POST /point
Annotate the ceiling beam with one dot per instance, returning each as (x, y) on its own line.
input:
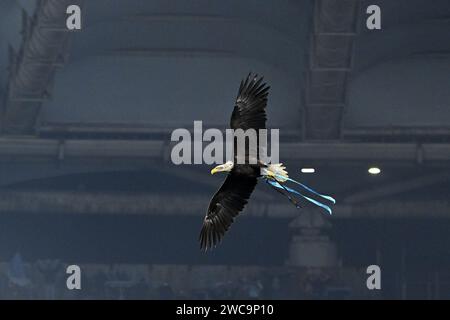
(331, 51)
(35, 149)
(435, 132)
(43, 49)
(398, 187)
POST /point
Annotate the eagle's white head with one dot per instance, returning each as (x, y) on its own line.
(226, 167)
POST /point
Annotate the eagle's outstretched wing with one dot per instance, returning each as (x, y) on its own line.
(225, 205)
(250, 108)
(248, 113)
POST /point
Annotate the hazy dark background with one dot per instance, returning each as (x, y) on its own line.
(85, 170)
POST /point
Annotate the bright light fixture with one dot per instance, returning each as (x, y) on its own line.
(308, 170)
(374, 170)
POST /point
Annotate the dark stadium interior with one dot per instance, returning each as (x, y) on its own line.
(86, 176)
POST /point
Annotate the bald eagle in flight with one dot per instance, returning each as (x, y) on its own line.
(249, 113)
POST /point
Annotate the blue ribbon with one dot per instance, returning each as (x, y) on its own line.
(317, 203)
(308, 188)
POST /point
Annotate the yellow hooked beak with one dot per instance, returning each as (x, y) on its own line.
(216, 169)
